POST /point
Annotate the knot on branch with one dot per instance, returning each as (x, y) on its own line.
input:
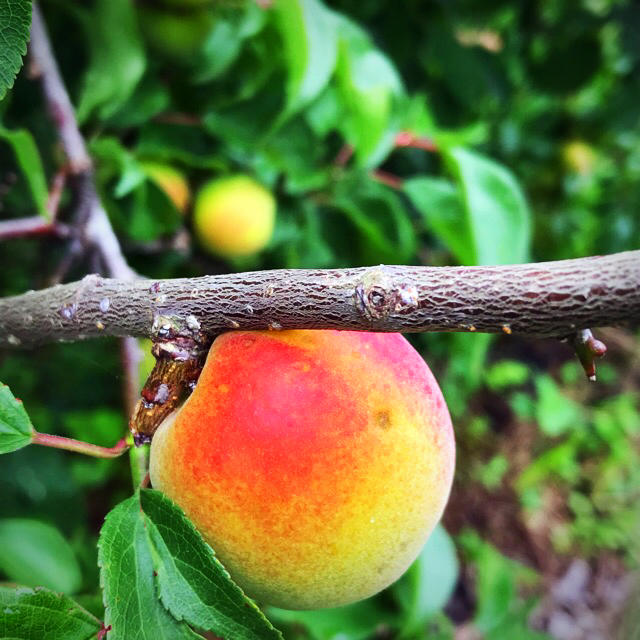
(180, 348)
(378, 296)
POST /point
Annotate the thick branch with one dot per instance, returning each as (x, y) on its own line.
(544, 299)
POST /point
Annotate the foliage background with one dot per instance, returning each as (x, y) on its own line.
(533, 116)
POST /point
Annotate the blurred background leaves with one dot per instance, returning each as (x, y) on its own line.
(423, 133)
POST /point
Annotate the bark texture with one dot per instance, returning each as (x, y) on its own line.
(541, 299)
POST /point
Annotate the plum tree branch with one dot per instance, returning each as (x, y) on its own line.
(97, 228)
(541, 299)
(91, 217)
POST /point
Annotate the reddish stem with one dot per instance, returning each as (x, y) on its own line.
(35, 225)
(55, 193)
(408, 139)
(344, 155)
(88, 449)
(179, 118)
(387, 178)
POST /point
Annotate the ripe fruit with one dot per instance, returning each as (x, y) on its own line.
(171, 181)
(234, 216)
(315, 463)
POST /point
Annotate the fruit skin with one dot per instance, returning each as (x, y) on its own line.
(171, 181)
(234, 216)
(315, 463)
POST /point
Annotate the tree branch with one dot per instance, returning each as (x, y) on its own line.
(543, 300)
(97, 229)
(32, 226)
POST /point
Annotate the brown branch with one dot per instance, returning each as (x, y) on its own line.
(541, 299)
(32, 226)
(384, 177)
(90, 214)
(97, 229)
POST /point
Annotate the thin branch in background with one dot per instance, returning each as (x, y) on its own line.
(33, 226)
(389, 179)
(97, 229)
(408, 139)
(55, 192)
(38, 225)
(344, 155)
(91, 217)
(179, 118)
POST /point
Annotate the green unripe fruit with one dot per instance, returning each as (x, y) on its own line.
(234, 216)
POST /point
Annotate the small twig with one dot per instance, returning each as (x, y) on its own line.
(45, 67)
(588, 348)
(178, 118)
(55, 192)
(78, 446)
(344, 155)
(387, 178)
(408, 139)
(33, 226)
(91, 217)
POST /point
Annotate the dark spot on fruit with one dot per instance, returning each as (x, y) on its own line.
(383, 419)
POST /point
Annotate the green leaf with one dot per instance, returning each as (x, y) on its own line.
(354, 622)
(556, 413)
(35, 554)
(506, 373)
(40, 614)
(497, 214)
(310, 48)
(497, 582)
(428, 584)
(117, 58)
(192, 583)
(16, 430)
(368, 83)
(15, 20)
(30, 163)
(179, 143)
(381, 218)
(224, 42)
(132, 607)
(438, 200)
(148, 547)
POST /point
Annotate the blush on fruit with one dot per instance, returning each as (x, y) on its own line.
(315, 463)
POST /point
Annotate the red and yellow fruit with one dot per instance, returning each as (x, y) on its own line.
(234, 216)
(315, 463)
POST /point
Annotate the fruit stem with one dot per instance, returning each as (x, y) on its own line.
(88, 449)
(139, 463)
